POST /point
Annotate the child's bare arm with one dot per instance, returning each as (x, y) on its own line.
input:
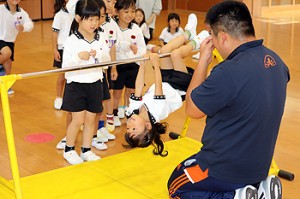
(140, 80)
(158, 80)
(54, 43)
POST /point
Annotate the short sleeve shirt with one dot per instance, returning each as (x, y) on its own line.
(243, 99)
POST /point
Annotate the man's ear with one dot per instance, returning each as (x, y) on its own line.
(148, 126)
(77, 18)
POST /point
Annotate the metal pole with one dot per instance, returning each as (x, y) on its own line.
(75, 68)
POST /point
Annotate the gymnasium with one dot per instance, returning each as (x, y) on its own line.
(31, 166)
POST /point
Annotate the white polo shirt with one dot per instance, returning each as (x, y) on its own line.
(132, 34)
(76, 44)
(8, 22)
(167, 36)
(160, 108)
(61, 23)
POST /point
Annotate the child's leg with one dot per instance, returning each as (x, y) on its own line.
(88, 130)
(179, 54)
(127, 93)
(166, 63)
(7, 66)
(117, 94)
(190, 33)
(60, 84)
(5, 54)
(72, 130)
(108, 104)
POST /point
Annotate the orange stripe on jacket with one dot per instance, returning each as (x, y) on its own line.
(195, 173)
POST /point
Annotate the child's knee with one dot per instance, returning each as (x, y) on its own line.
(175, 54)
(6, 52)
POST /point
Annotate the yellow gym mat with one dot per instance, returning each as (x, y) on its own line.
(137, 174)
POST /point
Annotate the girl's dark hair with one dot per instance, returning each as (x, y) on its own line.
(152, 137)
(59, 4)
(144, 20)
(85, 9)
(101, 4)
(124, 4)
(171, 16)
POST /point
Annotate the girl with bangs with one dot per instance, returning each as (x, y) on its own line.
(82, 97)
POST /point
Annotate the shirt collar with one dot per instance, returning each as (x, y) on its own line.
(80, 36)
(244, 47)
(64, 9)
(151, 117)
(129, 25)
(18, 7)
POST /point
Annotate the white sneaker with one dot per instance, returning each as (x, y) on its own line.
(196, 56)
(72, 157)
(200, 38)
(117, 121)
(98, 144)
(110, 127)
(101, 137)
(270, 188)
(191, 25)
(62, 143)
(89, 156)
(121, 112)
(150, 46)
(247, 192)
(108, 135)
(58, 103)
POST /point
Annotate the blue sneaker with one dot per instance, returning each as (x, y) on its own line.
(2, 71)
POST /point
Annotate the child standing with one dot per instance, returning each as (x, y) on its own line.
(165, 96)
(141, 22)
(101, 134)
(152, 9)
(110, 28)
(13, 20)
(61, 28)
(83, 89)
(130, 44)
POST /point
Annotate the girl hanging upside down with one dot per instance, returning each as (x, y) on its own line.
(166, 95)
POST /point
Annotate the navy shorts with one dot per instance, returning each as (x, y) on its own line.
(83, 96)
(11, 45)
(127, 74)
(57, 64)
(188, 180)
(177, 79)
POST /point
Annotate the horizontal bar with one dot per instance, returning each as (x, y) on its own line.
(89, 66)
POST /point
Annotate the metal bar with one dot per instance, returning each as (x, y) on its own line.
(75, 68)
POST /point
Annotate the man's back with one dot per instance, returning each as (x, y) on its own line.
(243, 99)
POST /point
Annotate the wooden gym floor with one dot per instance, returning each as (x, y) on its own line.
(32, 104)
